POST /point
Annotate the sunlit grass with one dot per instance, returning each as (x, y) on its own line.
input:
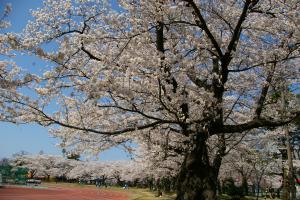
(135, 193)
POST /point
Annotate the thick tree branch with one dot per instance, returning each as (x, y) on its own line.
(265, 63)
(220, 152)
(257, 123)
(237, 31)
(202, 24)
(233, 42)
(90, 55)
(50, 120)
(160, 38)
(264, 92)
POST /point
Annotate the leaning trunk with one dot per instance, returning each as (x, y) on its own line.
(198, 179)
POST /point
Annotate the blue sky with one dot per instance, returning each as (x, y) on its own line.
(30, 137)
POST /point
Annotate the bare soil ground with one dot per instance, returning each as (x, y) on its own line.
(59, 193)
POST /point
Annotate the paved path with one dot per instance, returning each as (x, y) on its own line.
(23, 193)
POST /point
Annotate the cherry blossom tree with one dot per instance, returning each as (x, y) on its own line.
(260, 160)
(57, 166)
(191, 72)
(8, 70)
(252, 166)
(44, 165)
(10, 76)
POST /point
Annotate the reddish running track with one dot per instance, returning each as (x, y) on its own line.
(20, 193)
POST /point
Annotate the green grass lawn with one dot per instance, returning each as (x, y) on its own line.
(136, 193)
(144, 194)
(133, 193)
(141, 194)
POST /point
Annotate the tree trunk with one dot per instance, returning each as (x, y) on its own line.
(166, 182)
(245, 185)
(257, 191)
(158, 186)
(198, 179)
(150, 183)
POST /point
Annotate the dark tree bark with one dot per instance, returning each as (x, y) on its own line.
(198, 178)
(166, 182)
(158, 186)
(245, 185)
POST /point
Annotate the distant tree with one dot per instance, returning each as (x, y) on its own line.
(5, 169)
(4, 161)
(20, 153)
